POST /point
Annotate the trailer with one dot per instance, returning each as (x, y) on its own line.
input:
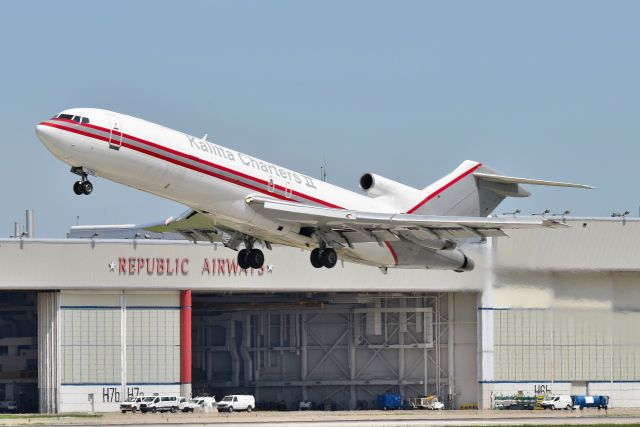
(600, 402)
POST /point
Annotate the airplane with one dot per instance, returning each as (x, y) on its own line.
(243, 201)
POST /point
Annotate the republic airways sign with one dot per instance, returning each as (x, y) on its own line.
(136, 266)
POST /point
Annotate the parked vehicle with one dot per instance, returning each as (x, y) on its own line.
(182, 402)
(162, 404)
(600, 402)
(426, 402)
(8, 406)
(305, 405)
(389, 401)
(237, 402)
(557, 401)
(132, 404)
(198, 403)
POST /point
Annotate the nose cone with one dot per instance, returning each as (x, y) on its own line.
(51, 139)
(43, 132)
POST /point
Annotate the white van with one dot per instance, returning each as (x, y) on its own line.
(162, 404)
(199, 404)
(557, 401)
(237, 402)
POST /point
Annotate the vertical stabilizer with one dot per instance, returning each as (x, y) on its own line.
(462, 193)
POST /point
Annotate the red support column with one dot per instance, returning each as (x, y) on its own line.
(185, 343)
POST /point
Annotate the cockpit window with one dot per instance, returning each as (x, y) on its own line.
(77, 119)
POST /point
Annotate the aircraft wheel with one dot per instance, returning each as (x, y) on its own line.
(316, 258)
(256, 258)
(77, 188)
(243, 259)
(87, 187)
(329, 258)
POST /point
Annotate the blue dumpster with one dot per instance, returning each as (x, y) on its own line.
(389, 401)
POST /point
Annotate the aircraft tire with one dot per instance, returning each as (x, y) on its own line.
(256, 258)
(316, 258)
(77, 188)
(243, 259)
(329, 257)
(87, 187)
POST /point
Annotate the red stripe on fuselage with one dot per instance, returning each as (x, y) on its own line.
(193, 158)
(441, 189)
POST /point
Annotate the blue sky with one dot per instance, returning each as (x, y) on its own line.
(407, 90)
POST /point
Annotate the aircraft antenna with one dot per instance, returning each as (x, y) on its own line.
(323, 169)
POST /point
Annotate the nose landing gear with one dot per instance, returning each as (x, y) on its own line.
(84, 186)
(323, 258)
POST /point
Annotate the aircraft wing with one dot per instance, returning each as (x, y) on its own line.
(193, 225)
(356, 226)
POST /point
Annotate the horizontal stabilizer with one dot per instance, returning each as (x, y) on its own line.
(514, 180)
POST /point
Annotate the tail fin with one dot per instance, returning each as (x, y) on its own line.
(473, 189)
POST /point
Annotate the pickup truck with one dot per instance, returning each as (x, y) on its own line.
(132, 404)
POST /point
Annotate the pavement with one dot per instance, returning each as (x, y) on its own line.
(346, 418)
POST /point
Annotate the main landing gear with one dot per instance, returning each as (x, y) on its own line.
(324, 258)
(84, 186)
(250, 258)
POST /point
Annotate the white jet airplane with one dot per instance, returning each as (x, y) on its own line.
(239, 199)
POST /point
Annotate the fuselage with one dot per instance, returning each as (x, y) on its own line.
(209, 178)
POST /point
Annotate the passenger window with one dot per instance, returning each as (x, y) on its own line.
(84, 120)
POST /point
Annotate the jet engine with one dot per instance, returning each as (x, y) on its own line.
(467, 265)
(395, 194)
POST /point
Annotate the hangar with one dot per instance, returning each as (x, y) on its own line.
(87, 322)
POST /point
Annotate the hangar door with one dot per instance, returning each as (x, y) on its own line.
(338, 350)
